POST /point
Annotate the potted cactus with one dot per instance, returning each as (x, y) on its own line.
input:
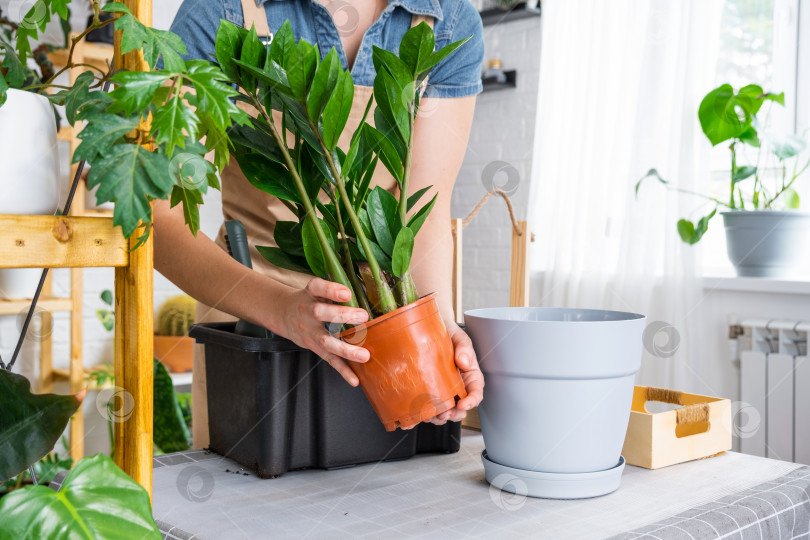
(173, 347)
(346, 231)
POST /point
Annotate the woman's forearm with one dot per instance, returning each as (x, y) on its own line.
(206, 272)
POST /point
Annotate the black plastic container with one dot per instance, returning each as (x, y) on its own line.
(275, 407)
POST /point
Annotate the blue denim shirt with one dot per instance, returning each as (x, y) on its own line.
(456, 76)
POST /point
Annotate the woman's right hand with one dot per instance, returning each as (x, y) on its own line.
(307, 309)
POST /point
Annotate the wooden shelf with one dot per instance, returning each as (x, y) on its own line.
(61, 242)
(95, 54)
(517, 12)
(491, 84)
(98, 212)
(48, 303)
(64, 134)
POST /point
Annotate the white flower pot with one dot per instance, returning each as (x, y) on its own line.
(766, 243)
(559, 385)
(29, 182)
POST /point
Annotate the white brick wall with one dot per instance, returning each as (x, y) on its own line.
(503, 129)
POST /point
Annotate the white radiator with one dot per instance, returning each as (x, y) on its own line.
(775, 386)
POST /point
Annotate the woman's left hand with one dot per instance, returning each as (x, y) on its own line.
(470, 373)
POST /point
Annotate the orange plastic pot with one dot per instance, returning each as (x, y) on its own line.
(411, 375)
(175, 352)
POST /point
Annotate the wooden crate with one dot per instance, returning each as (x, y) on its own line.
(700, 428)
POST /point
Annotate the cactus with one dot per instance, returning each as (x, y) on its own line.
(175, 316)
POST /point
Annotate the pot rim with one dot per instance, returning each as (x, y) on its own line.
(480, 313)
(739, 212)
(386, 316)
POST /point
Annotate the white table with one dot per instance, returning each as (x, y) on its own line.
(440, 496)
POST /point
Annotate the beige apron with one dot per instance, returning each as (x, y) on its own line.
(259, 212)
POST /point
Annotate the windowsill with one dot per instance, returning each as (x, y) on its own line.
(797, 285)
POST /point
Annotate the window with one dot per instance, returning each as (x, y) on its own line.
(765, 42)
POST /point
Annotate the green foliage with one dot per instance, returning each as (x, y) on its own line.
(730, 116)
(290, 150)
(96, 500)
(45, 470)
(176, 316)
(170, 431)
(30, 424)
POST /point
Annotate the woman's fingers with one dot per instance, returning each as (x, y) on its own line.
(333, 313)
(333, 345)
(327, 289)
(470, 372)
(341, 367)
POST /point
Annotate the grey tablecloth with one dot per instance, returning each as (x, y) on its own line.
(204, 496)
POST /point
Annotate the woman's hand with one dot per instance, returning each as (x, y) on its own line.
(470, 373)
(307, 309)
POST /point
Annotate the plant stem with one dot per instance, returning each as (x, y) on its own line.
(96, 25)
(406, 289)
(387, 301)
(359, 292)
(406, 173)
(336, 272)
(733, 172)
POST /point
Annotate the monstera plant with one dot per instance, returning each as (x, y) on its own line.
(345, 230)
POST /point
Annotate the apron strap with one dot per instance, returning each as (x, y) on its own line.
(255, 15)
(415, 20)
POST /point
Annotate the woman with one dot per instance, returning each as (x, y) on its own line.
(294, 305)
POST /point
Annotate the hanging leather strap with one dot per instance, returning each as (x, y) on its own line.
(255, 15)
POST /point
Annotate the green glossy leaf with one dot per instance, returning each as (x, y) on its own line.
(271, 75)
(742, 173)
(283, 44)
(691, 233)
(97, 500)
(300, 67)
(326, 76)
(80, 102)
(3, 90)
(652, 173)
(313, 249)
(191, 199)
(106, 318)
(311, 170)
(686, 230)
(30, 423)
(172, 123)
(212, 96)
(391, 133)
(384, 150)
(278, 258)
(152, 42)
(440, 55)
(228, 45)
(337, 109)
(791, 199)
(413, 199)
(418, 219)
(287, 235)
(253, 54)
(136, 90)
(385, 60)
(107, 297)
(403, 249)
(253, 137)
(725, 115)
(100, 134)
(417, 47)
(392, 102)
(268, 176)
(131, 176)
(15, 72)
(383, 215)
(170, 432)
(786, 146)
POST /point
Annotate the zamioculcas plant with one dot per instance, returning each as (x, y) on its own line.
(362, 238)
(345, 231)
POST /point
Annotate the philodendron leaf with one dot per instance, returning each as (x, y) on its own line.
(403, 249)
(131, 176)
(691, 233)
(30, 424)
(337, 109)
(652, 173)
(278, 258)
(791, 199)
(383, 214)
(96, 500)
(743, 172)
(727, 115)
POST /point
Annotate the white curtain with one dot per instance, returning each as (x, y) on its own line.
(620, 85)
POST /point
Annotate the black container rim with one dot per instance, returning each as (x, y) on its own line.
(223, 333)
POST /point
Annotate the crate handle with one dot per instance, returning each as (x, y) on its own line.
(687, 414)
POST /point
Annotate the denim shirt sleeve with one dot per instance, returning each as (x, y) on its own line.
(196, 23)
(459, 74)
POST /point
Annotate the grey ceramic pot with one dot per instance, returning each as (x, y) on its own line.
(766, 243)
(559, 385)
